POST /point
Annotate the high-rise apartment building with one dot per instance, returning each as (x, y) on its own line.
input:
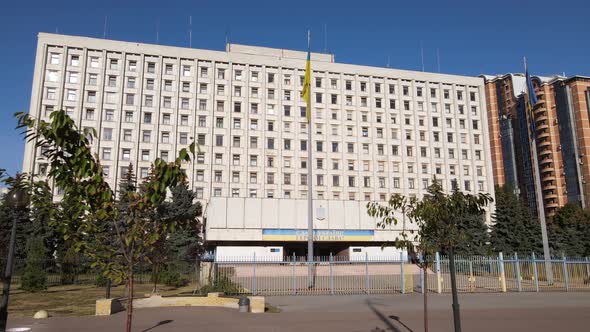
(561, 127)
(376, 131)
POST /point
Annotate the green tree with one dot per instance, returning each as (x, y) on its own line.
(437, 216)
(35, 278)
(569, 231)
(184, 243)
(475, 236)
(513, 229)
(42, 213)
(76, 170)
(24, 229)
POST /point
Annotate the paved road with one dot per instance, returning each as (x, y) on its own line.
(480, 312)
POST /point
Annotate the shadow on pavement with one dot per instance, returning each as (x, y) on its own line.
(387, 320)
(167, 321)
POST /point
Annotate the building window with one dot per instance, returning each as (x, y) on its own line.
(169, 69)
(91, 97)
(71, 95)
(147, 118)
(107, 134)
(106, 153)
(130, 99)
(183, 138)
(127, 135)
(114, 64)
(54, 59)
(184, 120)
(131, 82)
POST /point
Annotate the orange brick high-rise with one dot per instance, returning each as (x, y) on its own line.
(562, 132)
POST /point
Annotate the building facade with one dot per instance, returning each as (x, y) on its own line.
(375, 131)
(561, 123)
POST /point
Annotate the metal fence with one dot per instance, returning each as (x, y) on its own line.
(336, 275)
(379, 275)
(325, 275)
(80, 272)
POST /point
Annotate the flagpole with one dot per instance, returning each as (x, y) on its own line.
(309, 178)
(538, 190)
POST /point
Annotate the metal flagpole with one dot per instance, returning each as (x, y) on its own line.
(538, 190)
(190, 31)
(309, 180)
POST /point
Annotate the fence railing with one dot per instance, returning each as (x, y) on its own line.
(334, 275)
(80, 272)
(379, 275)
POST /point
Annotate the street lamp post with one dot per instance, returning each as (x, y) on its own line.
(17, 200)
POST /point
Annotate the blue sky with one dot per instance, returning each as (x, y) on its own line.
(473, 37)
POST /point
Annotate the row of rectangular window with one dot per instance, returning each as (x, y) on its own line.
(55, 58)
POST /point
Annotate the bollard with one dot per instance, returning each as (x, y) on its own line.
(294, 277)
(438, 276)
(518, 283)
(502, 274)
(367, 273)
(244, 304)
(536, 276)
(565, 274)
(254, 275)
(331, 275)
(471, 277)
(402, 277)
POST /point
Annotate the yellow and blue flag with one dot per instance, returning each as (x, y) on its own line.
(532, 99)
(306, 92)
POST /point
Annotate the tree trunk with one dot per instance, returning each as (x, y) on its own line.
(425, 290)
(198, 271)
(155, 274)
(130, 300)
(108, 289)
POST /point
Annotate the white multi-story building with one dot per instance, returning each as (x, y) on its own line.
(375, 131)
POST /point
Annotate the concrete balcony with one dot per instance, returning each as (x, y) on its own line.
(543, 143)
(545, 152)
(543, 134)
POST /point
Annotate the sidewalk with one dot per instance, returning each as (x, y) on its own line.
(480, 312)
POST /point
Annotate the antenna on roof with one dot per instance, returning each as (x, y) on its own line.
(190, 31)
(104, 30)
(438, 60)
(228, 38)
(388, 61)
(422, 54)
(325, 38)
(158, 30)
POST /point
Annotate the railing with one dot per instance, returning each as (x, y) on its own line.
(328, 275)
(80, 272)
(334, 275)
(378, 275)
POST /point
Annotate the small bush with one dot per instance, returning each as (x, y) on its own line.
(172, 278)
(35, 278)
(101, 280)
(68, 267)
(224, 285)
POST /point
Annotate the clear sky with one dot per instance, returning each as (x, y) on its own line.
(473, 37)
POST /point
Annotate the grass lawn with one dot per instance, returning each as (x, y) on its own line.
(76, 300)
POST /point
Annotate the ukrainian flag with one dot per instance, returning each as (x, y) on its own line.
(532, 99)
(306, 93)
